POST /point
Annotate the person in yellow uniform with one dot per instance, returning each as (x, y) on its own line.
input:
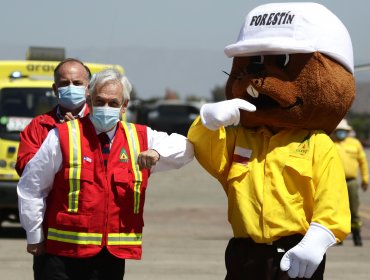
(268, 144)
(279, 186)
(355, 163)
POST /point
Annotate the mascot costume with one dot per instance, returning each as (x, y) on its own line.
(290, 84)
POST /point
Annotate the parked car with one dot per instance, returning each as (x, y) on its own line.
(172, 115)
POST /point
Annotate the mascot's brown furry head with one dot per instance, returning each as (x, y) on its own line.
(294, 62)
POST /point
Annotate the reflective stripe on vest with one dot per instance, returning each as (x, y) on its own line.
(134, 146)
(75, 237)
(124, 239)
(75, 151)
(74, 139)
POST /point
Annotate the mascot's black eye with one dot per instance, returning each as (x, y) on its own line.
(282, 60)
(257, 59)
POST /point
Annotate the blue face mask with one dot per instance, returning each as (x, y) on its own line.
(71, 97)
(105, 118)
(341, 134)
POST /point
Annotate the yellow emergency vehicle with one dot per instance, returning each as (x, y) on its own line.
(25, 92)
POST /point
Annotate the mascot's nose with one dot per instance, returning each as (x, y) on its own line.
(257, 82)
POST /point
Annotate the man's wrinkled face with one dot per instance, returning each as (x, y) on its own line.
(109, 94)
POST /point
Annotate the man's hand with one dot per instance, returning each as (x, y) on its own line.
(147, 159)
(302, 260)
(67, 117)
(36, 249)
(364, 186)
(224, 113)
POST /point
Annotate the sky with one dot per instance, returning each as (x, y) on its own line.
(162, 44)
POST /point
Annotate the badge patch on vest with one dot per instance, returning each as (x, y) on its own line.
(242, 155)
(304, 146)
(123, 157)
(86, 158)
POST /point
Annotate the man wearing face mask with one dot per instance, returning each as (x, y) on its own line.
(81, 198)
(71, 82)
(354, 160)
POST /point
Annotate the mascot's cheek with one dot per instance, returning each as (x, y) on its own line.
(237, 89)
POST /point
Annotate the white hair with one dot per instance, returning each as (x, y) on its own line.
(111, 75)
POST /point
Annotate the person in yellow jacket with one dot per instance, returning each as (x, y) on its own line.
(280, 188)
(268, 144)
(355, 163)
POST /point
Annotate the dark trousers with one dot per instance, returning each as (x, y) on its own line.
(103, 266)
(246, 260)
(354, 203)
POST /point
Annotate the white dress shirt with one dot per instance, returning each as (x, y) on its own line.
(38, 176)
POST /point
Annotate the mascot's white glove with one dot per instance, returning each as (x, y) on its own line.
(224, 113)
(303, 259)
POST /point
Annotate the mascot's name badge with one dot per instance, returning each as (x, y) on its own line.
(242, 155)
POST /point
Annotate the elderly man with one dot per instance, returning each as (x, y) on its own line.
(81, 198)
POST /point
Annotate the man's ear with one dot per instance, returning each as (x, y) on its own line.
(123, 111)
(88, 100)
(55, 90)
(87, 91)
(124, 106)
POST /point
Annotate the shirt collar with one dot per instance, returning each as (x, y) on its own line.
(79, 115)
(110, 133)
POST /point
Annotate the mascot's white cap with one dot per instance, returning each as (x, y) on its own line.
(344, 125)
(280, 28)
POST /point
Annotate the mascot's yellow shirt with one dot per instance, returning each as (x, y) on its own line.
(277, 184)
(353, 157)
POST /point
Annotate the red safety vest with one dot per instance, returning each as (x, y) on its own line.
(87, 208)
(32, 137)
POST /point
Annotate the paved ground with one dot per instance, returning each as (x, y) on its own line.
(186, 232)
